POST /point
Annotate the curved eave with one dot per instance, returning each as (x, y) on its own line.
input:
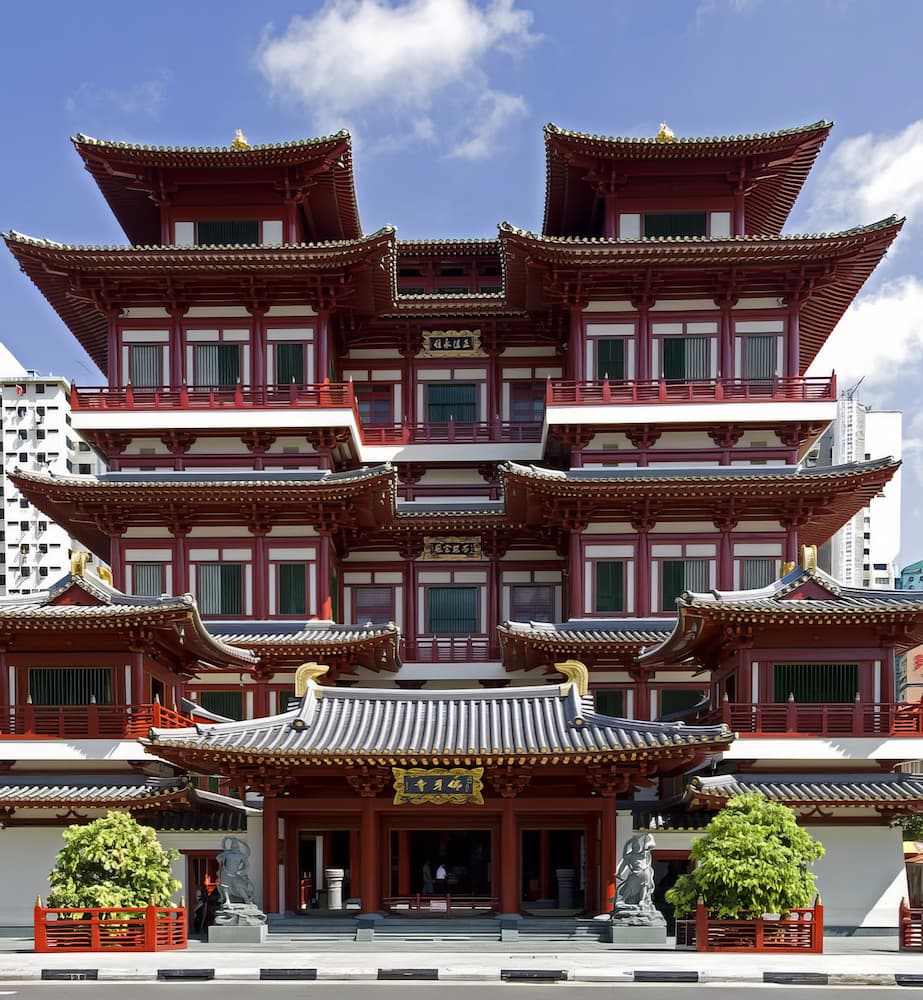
(133, 803)
(362, 651)
(526, 649)
(836, 266)
(788, 154)
(116, 167)
(74, 279)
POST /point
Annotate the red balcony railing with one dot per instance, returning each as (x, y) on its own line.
(797, 718)
(322, 395)
(709, 390)
(88, 722)
(450, 432)
(452, 649)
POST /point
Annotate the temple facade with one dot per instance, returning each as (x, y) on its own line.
(435, 477)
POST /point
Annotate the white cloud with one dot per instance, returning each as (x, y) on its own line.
(493, 114)
(879, 337)
(358, 60)
(869, 177)
(145, 98)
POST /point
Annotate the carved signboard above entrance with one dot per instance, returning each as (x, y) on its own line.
(451, 344)
(423, 784)
(439, 547)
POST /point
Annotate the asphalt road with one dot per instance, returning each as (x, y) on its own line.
(420, 991)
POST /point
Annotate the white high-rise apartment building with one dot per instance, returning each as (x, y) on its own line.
(864, 552)
(35, 435)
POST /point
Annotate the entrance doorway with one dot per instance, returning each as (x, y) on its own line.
(317, 851)
(416, 857)
(554, 871)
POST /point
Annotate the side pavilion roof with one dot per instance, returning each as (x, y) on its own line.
(803, 597)
(316, 172)
(826, 270)
(773, 167)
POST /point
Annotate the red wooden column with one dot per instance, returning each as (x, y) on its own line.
(261, 568)
(577, 607)
(323, 345)
(290, 232)
(403, 863)
(725, 523)
(177, 361)
(180, 558)
(608, 858)
(726, 336)
(270, 855)
(575, 344)
(793, 355)
(611, 218)
(112, 349)
(4, 691)
(369, 871)
(324, 604)
(643, 524)
(258, 350)
(137, 678)
(643, 365)
(509, 858)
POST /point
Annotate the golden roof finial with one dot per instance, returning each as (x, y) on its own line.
(576, 673)
(240, 141)
(809, 558)
(79, 563)
(306, 678)
(665, 134)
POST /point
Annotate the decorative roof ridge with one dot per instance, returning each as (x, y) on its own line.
(550, 129)
(80, 139)
(449, 242)
(451, 296)
(828, 778)
(890, 221)
(665, 625)
(776, 590)
(23, 239)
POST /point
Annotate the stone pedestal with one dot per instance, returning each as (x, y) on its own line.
(565, 877)
(333, 877)
(237, 934)
(637, 938)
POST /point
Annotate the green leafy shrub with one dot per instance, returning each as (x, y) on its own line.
(113, 861)
(752, 859)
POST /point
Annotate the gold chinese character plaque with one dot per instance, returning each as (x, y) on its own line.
(419, 785)
(439, 547)
(451, 344)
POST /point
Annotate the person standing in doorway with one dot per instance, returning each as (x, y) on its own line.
(442, 880)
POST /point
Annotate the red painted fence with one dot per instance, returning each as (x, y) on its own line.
(151, 928)
(88, 722)
(911, 927)
(800, 930)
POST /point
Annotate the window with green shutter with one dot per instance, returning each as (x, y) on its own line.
(451, 401)
(70, 686)
(675, 700)
(293, 588)
(452, 610)
(610, 703)
(228, 232)
(230, 704)
(814, 683)
(217, 365)
(676, 224)
(220, 588)
(610, 359)
(290, 364)
(610, 585)
(678, 575)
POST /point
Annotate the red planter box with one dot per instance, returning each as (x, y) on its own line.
(800, 931)
(151, 928)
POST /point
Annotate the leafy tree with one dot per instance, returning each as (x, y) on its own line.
(912, 825)
(113, 861)
(752, 859)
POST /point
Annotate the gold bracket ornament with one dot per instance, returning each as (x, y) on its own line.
(79, 562)
(809, 558)
(306, 678)
(576, 673)
(419, 785)
(665, 134)
(240, 141)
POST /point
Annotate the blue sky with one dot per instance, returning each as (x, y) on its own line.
(446, 100)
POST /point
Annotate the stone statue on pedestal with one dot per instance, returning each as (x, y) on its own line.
(635, 919)
(235, 890)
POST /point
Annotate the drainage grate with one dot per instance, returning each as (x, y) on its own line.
(666, 976)
(70, 975)
(288, 975)
(533, 975)
(392, 974)
(797, 978)
(173, 974)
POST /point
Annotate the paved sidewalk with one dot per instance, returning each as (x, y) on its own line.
(848, 960)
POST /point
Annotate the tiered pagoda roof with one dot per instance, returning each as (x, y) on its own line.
(771, 167)
(83, 283)
(818, 500)
(316, 173)
(804, 597)
(827, 270)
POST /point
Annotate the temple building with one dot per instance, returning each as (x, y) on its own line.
(458, 555)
